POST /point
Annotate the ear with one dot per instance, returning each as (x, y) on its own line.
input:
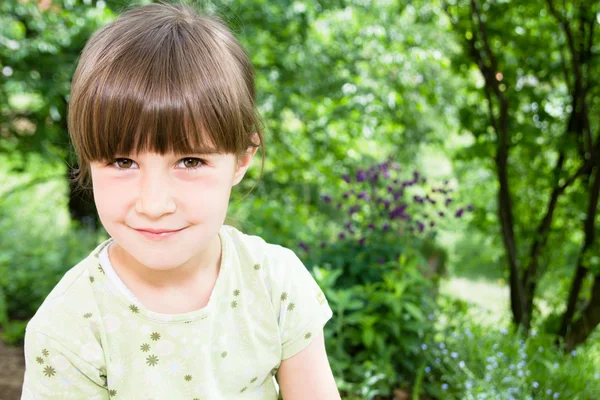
(243, 163)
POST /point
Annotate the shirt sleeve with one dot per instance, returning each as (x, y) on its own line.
(52, 371)
(303, 308)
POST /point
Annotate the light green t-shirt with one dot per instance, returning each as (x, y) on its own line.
(89, 341)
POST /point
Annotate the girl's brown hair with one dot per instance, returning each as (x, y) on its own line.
(162, 78)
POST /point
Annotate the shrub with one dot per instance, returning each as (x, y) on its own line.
(378, 328)
(470, 361)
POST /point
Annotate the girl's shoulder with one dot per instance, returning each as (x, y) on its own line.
(254, 253)
(71, 299)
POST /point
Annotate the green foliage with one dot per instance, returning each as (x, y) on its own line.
(469, 361)
(377, 328)
(39, 47)
(38, 243)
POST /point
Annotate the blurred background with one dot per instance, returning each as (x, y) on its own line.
(435, 164)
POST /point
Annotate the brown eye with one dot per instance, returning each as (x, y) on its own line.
(124, 163)
(191, 163)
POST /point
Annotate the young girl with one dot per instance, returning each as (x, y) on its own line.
(176, 305)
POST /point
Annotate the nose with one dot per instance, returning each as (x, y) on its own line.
(155, 195)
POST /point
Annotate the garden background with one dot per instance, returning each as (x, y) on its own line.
(435, 164)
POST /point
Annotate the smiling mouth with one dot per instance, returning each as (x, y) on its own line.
(158, 233)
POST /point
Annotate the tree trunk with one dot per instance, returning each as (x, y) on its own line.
(589, 320)
(577, 333)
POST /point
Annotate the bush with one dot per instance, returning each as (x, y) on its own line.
(469, 361)
(38, 244)
(378, 328)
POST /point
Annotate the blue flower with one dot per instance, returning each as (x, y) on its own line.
(427, 369)
(424, 347)
(444, 386)
(454, 354)
(536, 385)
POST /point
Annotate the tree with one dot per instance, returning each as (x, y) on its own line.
(42, 42)
(539, 83)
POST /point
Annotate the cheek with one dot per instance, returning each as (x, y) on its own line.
(207, 195)
(110, 197)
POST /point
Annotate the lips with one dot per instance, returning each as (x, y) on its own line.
(158, 231)
(158, 234)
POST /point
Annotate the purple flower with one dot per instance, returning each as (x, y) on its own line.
(346, 178)
(371, 226)
(418, 199)
(380, 260)
(460, 212)
(398, 212)
(420, 226)
(361, 176)
(386, 227)
(348, 226)
(361, 241)
(448, 201)
(390, 189)
(398, 194)
(353, 210)
(327, 198)
(342, 235)
(346, 195)
(386, 204)
(470, 207)
(303, 246)
(441, 213)
(362, 194)
(323, 245)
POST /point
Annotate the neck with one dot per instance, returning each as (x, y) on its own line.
(200, 267)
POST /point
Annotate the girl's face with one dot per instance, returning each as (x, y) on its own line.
(165, 209)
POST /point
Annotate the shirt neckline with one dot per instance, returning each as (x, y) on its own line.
(139, 309)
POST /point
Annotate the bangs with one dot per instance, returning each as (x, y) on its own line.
(162, 83)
